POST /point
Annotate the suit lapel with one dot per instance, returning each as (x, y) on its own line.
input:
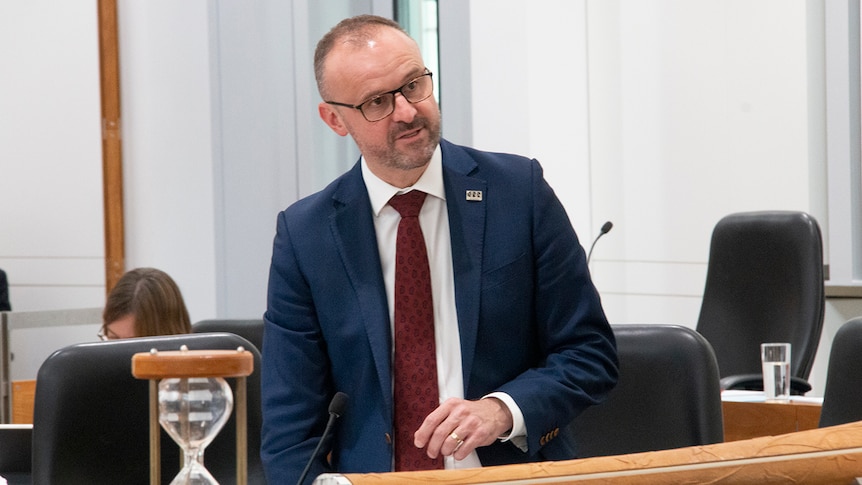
(356, 241)
(353, 230)
(467, 232)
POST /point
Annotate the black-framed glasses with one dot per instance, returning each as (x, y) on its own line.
(382, 105)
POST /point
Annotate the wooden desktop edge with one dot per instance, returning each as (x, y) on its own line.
(746, 419)
(822, 456)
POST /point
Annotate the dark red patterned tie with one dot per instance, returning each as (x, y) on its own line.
(415, 365)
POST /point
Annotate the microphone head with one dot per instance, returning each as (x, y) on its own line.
(338, 404)
(606, 228)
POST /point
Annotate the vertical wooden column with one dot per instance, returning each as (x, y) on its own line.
(155, 435)
(241, 413)
(112, 155)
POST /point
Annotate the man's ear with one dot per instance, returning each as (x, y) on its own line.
(331, 117)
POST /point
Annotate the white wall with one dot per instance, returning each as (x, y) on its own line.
(167, 144)
(51, 223)
(529, 92)
(712, 114)
(693, 110)
(216, 140)
(52, 241)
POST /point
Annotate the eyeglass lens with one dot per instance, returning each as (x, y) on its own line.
(381, 106)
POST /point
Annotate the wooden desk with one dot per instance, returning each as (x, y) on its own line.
(824, 456)
(23, 394)
(744, 420)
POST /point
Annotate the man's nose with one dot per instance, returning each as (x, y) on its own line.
(404, 110)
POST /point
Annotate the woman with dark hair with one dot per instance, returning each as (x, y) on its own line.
(145, 302)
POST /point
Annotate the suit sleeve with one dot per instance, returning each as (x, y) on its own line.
(294, 393)
(577, 364)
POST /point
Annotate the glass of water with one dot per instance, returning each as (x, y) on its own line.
(775, 358)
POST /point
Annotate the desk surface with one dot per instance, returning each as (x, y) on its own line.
(23, 396)
(746, 419)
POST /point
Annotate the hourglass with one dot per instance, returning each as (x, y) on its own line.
(190, 399)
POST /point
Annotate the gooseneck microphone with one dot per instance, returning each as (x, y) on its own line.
(336, 409)
(606, 228)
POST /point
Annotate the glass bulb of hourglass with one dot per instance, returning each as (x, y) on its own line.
(193, 410)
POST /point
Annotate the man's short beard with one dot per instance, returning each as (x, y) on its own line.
(401, 161)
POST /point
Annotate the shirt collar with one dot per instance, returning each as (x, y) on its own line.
(431, 182)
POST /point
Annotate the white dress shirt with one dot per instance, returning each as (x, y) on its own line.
(434, 221)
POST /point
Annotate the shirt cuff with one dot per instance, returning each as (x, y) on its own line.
(518, 435)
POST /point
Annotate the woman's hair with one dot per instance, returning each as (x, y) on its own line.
(153, 298)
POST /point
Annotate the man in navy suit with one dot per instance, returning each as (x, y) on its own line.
(522, 342)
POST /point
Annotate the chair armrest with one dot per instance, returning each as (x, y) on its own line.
(754, 382)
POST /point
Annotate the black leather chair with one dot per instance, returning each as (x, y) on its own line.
(91, 421)
(842, 397)
(250, 329)
(764, 283)
(15, 445)
(4, 293)
(667, 396)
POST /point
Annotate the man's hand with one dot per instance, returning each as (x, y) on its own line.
(458, 427)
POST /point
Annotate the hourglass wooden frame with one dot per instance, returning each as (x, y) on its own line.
(156, 365)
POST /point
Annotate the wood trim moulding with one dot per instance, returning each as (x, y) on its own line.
(112, 155)
(821, 456)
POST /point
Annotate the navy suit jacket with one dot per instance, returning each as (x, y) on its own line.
(530, 320)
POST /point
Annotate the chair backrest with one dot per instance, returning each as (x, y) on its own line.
(764, 283)
(4, 293)
(91, 418)
(842, 396)
(667, 396)
(15, 444)
(250, 329)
